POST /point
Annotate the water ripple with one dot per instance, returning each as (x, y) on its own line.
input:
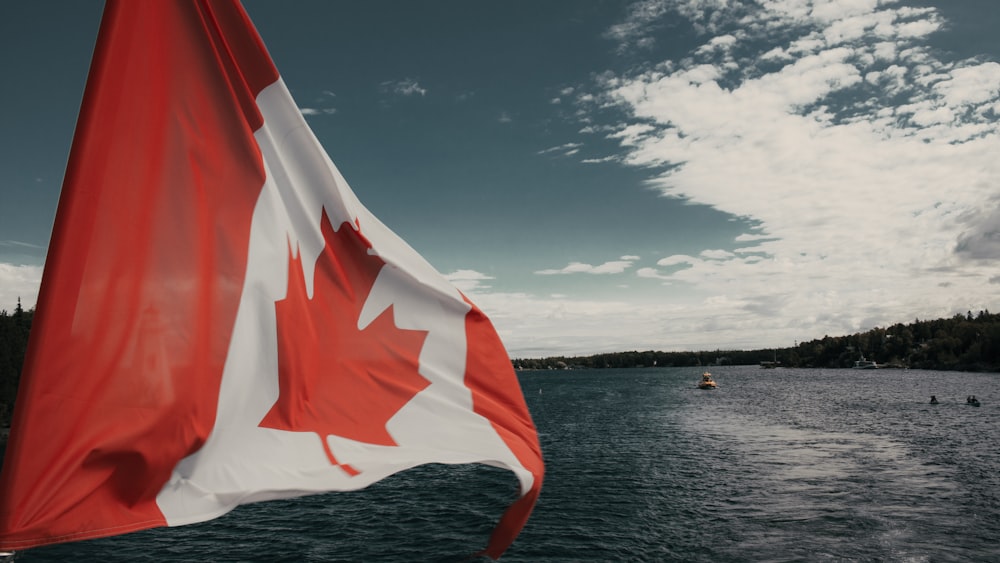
(774, 466)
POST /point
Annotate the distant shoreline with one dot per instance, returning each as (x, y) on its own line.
(961, 343)
(710, 367)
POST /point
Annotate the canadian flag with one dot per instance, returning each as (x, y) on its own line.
(221, 321)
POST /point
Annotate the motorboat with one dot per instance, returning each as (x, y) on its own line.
(707, 382)
(862, 363)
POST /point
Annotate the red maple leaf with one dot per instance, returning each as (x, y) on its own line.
(334, 379)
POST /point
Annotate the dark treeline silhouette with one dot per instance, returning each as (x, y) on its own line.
(963, 342)
(14, 329)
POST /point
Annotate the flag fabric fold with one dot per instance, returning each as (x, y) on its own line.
(221, 321)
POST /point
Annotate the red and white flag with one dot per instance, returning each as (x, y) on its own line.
(221, 321)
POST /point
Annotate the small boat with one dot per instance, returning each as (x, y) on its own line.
(972, 401)
(707, 382)
(862, 363)
(771, 364)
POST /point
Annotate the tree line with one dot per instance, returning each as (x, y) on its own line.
(14, 329)
(964, 342)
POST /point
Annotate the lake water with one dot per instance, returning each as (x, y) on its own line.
(775, 465)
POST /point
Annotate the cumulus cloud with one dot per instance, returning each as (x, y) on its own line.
(716, 254)
(611, 267)
(675, 260)
(970, 86)
(536, 326)
(469, 280)
(652, 273)
(863, 161)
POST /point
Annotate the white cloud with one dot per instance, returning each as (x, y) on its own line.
(566, 149)
(926, 116)
(971, 85)
(864, 164)
(748, 237)
(917, 29)
(318, 111)
(675, 260)
(865, 207)
(631, 135)
(981, 239)
(405, 87)
(633, 31)
(19, 281)
(716, 254)
(322, 105)
(611, 158)
(652, 273)
(721, 44)
(469, 280)
(611, 267)
(536, 326)
(533, 326)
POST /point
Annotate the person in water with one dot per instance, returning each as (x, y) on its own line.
(934, 400)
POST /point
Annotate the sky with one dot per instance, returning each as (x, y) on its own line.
(611, 175)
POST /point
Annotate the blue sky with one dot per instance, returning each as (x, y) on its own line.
(614, 175)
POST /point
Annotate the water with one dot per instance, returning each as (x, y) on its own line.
(775, 465)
